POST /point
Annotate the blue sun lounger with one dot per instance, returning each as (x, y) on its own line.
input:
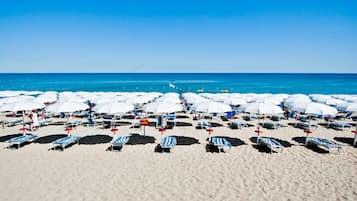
(220, 143)
(323, 144)
(168, 142)
(21, 139)
(65, 141)
(237, 124)
(272, 144)
(119, 142)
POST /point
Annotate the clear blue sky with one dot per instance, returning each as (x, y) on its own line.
(178, 36)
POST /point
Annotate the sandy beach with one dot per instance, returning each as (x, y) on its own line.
(89, 172)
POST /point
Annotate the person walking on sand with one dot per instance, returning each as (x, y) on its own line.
(35, 123)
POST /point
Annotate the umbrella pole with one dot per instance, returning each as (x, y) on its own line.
(23, 118)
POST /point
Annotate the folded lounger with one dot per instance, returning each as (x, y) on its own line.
(21, 139)
(323, 143)
(272, 144)
(119, 142)
(168, 142)
(65, 141)
(220, 143)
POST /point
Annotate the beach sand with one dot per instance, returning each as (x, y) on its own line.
(89, 172)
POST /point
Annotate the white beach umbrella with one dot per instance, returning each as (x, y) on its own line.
(21, 106)
(352, 107)
(138, 99)
(334, 101)
(113, 107)
(314, 108)
(211, 107)
(162, 107)
(261, 108)
(235, 101)
(66, 107)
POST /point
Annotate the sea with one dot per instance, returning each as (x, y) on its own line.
(182, 82)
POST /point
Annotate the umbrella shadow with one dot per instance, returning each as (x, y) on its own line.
(137, 139)
(346, 140)
(182, 117)
(8, 137)
(95, 139)
(182, 124)
(49, 138)
(183, 140)
(301, 141)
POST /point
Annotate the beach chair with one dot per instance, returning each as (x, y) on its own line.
(204, 124)
(338, 125)
(21, 140)
(119, 142)
(270, 143)
(323, 143)
(237, 124)
(12, 122)
(220, 143)
(73, 123)
(305, 125)
(271, 125)
(168, 142)
(228, 115)
(64, 142)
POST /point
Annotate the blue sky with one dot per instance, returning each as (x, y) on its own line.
(178, 36)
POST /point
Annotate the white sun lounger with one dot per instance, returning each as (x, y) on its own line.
(324, 144)
(119, 142)
(220, 143)
(168, 142)
(65, 141)
(272, 144)
(21, 139)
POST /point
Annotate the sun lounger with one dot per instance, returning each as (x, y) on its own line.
(338, 125)
(237, 124)
(323, 144)
(73, 123)
(44, 122)
(271, 125)
(220, 143)
(168, 142)
(204, 124)
(65, 141)
(21, 139)
(12, 122)
(119, 142)
(305, 125)
(272, 144)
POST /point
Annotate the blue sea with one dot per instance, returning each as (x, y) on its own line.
(192, 82)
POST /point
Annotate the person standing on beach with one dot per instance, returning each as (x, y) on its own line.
(35, 123)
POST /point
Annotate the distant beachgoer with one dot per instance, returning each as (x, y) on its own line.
(35, 122)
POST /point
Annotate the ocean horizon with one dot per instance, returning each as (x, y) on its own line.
(306, 83)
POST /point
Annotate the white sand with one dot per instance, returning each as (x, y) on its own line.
(89, 172)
